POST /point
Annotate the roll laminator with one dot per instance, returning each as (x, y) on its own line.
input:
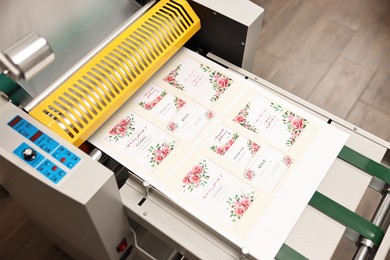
(76, 194)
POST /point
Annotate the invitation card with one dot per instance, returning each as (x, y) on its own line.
(140, 141)
(270, 120)
(200, 81)
(268, 168)
(233, 146)
(215, 190)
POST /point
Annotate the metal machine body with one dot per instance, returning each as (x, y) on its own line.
(85, 212)
(228, 33)
(73, 198)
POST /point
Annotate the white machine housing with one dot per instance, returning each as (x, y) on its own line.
(82, 212)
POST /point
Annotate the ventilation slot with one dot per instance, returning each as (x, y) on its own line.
(104, 82)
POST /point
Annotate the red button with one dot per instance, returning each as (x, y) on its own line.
(63, 160)
(122, 246)
(54, 168)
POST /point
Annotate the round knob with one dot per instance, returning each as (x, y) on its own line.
(29, 154)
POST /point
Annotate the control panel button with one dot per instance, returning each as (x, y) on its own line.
(29, 154)
(51, 171)
(66, 157)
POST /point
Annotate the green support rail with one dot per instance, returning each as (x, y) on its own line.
(287, 253)
(365, 164)
(341, 214)
(347, 218)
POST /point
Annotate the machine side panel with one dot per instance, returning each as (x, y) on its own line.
(219, 35)
(83, 211)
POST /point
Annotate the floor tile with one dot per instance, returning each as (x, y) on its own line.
(341, 87)
(309, 61)
(28, 243)
(12, 215)
(370, 119)
(368, 45)
(266, 64)
(357, 13)
(282, 34)
(377, 93)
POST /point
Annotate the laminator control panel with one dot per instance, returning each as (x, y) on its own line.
(42, 152)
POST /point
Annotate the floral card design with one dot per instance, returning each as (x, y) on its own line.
(281, 126)
(200, 81)
(140, 141)
(159, 152)
(196, 177)
(233, 147)
(189, 121)
(294, 123)
(268, 168)
(216, 191)
(239, 204)
(151, 104)
(157, 100)
(122, 129)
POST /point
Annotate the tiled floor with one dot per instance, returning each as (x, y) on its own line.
(335, 54)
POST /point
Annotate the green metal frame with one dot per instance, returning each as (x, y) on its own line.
(341, 214)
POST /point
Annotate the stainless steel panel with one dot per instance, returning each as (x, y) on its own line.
(72, 28)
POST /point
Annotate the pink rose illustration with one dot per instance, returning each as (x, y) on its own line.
(172, 126)
(239, 204)
(165, 150)
(159, 157)
(222, 82)
(180, 103)
(239, 119)
(124, 122)
(287, 160)
(121, 130)
(239, 211)
(297, 123)
(245, 203)
(113, 131)
(220, 150)
(209, 114)
(197, 169)
(169, 78)
(159, 152)
(195, 179)
(249, 174)
(186, 180)
(255, 147)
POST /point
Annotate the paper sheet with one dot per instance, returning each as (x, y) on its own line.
(232, 154)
